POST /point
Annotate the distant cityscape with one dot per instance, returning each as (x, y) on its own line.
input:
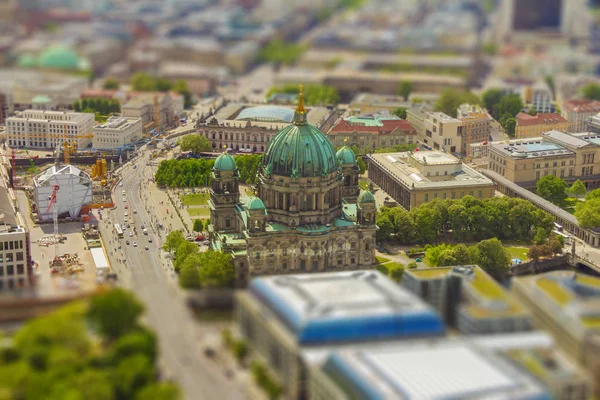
(320, 199)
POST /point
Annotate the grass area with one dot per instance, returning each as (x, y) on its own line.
(381, 260)
(394, 265)
(199, 212)
(518, 252)
(555, 290)
(571, 203)
(486, 286)
(199, 199)
(432, 273)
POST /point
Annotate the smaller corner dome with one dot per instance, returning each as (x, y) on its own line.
(225, 162)
(345, 155)
(255, 203)
(366, 197)
(27, 61)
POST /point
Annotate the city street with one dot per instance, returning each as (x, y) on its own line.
(149, 276)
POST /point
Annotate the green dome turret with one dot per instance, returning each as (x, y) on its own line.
(300, 149)
(225, 162)
(366, 197)
(255, 204)
(346, 156)
(59, 57)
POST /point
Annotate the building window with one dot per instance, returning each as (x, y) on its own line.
(453, 195)
(426, 197)
(20, 269)
(537, 175)
(444, 196)
(20, 256)
(10, 270)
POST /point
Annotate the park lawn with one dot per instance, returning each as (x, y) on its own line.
(199, 212)
(570, 204)
(518, 252)
(199, 199)
(381, 260)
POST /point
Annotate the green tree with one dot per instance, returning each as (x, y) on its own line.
(400, 112)
(162, 84)
(313, 94)
(490, 48)
(450, 99)
(541, 235)
(362, 166)
(532, 111)
(591, 91)
(132, 374)
(111, 83)
(182, 252)
(491, 98)
(141, 341)
(549, 79)
(198, 225)
(577, 189)
(195, 143)
(114, 313)
(404, 89)
(216, 269)
(280, 52)
(248, 165)
(143, 82)
(509, 124)
(552, 189)
(588, 213)
(159, 391)
(491, 255)
(397, 274)
(180, 86)
(173, 240)
(189, 270)
(77, 106)
(383, 269)
(412, 265)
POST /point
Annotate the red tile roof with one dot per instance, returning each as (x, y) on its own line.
(540, 119)
(582, 105)
(389, 125)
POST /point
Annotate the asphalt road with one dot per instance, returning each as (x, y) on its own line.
(182, 358)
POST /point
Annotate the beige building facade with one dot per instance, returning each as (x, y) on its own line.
(533, 126)
(117, 132)
(415, 178)
(442, 132)
(579, 112)
(564, 155)
(142, 107)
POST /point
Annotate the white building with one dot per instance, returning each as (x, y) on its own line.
(45, 129)
(442, 132)
(117, 132)
(15, 264)
(75, 190)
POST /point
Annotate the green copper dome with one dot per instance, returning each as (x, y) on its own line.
(27, 61)
(255, 203)
(366, 197)
(59, 57)
(300, 149)
(225, 162)
(345, 155)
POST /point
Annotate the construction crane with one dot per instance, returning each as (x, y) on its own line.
(68, 147)
(51, 203)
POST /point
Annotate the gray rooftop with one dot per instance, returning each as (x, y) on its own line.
(565, 139)
(531, 148)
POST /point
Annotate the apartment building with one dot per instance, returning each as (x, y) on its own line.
(533, 126)
(372, 132)
(468, 299)
(46, 129)
(477, 125)
(117, 132)
(579, 112)
(415, 178)
(567, 305)
(567, 156)
(142, 107)
(442, 132)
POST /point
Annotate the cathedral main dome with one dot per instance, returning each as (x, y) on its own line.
(300, 149)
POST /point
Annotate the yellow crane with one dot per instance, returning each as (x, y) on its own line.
(70, 147)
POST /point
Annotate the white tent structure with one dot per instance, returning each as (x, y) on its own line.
(75, 191)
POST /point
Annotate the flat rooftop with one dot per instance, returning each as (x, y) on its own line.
(532, 148)
(345, 306)
(434, 369)
(442, 117)
(397, 164)
(565, 139)
(274, 117)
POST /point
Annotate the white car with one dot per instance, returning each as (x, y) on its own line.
(126, 213)
(134, 211)
(134, 244)
(124, 199)
(123, 193)
(130, 234)
(121, 184)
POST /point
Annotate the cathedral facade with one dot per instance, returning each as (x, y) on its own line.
(307, 214)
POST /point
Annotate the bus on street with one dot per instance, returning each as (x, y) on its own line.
(118, 231)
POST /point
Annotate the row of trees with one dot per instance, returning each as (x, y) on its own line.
(97, 105)
(503, 107)
(489, 254)
(314, 95)
(194, 172)
(451, 99)
(145, 82)
(280, 52)
(552, 247)
(467, 219)
(199, 270)
(196, 144)
(85, 350)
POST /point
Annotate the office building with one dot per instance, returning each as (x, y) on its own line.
(567, 156)
(567, 305)
(579, 113)
(468, 299)
(513, 366)
(476, 125)
(117, 132)
(308, 213)
(442, 132)
(249, 129)
(416, 116)
(47, 129)
(415, 178)
(143, 106)
(15, 255)
(283, 317)
(372, 131)
(529, 126)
